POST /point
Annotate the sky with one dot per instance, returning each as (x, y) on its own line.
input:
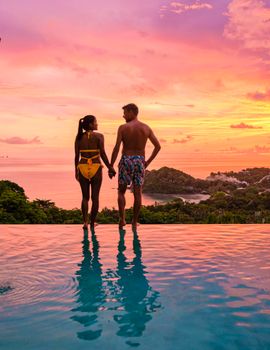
(198, 70)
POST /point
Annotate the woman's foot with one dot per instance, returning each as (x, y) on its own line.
(121, 224)
(93, 225)
(134, 225)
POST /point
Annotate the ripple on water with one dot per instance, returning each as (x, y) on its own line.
(5, 288)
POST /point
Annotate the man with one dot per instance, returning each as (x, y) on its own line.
(134, 135)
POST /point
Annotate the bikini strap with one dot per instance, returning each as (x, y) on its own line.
(89, 150)
(91, 157)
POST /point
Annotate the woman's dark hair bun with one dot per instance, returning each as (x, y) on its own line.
(86, 121)
(84, 124)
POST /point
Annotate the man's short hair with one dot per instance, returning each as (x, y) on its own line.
(131, 107)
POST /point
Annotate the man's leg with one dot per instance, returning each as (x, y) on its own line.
(121, 204)
(137, 191)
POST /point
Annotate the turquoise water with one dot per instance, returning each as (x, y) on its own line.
(166, 287)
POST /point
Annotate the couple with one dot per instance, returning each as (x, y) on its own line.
(89, 148)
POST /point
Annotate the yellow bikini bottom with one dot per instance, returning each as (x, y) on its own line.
(89, 169)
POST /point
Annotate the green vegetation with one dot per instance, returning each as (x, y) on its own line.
(15, 208)
(248, 205)
(169, 180)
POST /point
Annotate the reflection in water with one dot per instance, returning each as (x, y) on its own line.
(127, 287)
(5, 288)
(90, 293)
(134, 293)
(214, 285)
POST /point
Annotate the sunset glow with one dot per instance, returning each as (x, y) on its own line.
(198, 70)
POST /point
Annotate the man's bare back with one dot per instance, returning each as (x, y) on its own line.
(134, 137)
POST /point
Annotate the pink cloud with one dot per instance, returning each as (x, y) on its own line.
(162, 140)
(249, 23)
(15, 140)
(244, 126)
(259, 96)
(183, 140)
(169, 60)
(109, 72)
(179, 7)
(142, 89)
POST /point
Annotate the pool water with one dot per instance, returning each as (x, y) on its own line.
(164, 287)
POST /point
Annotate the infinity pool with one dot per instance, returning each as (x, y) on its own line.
(167, 287)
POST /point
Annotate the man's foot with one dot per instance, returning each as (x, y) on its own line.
(93, 225)
(121, 224)
(134, 225)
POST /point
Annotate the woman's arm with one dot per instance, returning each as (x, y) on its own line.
(117, 145)
(76, 160)
(103, 155)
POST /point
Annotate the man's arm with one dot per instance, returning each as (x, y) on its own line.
(117, 146)
(76, 160)
(156, 149)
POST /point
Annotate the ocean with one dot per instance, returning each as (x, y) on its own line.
(56, 182)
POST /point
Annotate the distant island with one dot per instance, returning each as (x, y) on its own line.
(234, 197)
(171, 181)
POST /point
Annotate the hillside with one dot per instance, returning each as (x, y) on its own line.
(171, 181)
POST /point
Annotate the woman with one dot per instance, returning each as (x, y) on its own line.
(89, 148)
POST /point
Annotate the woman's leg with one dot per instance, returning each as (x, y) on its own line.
(96, 182)
(85, 187)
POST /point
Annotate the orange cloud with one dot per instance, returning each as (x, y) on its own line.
(244, 126)
(15, 140)
(257, 149)
(261, 149)
(173, 104)
(183, 140)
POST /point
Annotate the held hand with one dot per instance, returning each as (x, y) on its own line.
(111, 172)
